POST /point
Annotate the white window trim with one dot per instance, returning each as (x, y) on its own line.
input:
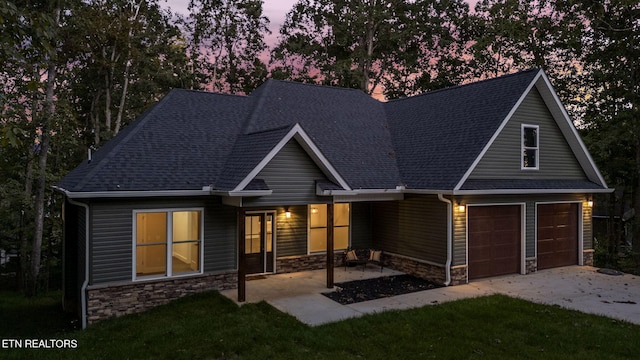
(523, 148)
(169, 274)
(309, 252)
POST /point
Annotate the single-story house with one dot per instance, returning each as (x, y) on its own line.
(204, 189)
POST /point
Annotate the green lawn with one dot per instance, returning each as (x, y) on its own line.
(209, 326)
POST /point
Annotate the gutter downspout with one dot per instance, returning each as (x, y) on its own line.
(83, 294)
(449, 238)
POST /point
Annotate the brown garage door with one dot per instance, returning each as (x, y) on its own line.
(494, 240)
(557, 235)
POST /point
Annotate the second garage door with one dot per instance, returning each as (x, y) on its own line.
(557, 235)
(494, 240)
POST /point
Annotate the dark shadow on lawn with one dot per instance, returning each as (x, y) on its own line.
(370, 289)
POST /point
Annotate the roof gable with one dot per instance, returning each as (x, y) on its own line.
(438, 135)
(348, 127)
(541, 84)
(252, 152)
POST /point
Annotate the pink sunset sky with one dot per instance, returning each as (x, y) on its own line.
(274, 10)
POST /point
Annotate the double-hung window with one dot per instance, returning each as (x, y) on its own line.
(530, 147)
(318, 227)
(167, 242)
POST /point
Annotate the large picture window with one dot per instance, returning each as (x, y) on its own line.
(530, 146)
(318, 227)
(167, 243)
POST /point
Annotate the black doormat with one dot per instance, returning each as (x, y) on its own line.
(370, 289)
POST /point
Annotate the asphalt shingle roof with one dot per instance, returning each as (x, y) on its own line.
(439, 134)
(192, 139)
(181, 143)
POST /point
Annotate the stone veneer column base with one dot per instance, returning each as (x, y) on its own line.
(587, 257)
(531, 265)
(458, 275)
(112, 300)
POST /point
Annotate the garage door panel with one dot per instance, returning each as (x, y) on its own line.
(494, 240)
(557, 243)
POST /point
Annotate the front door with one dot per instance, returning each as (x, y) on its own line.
(259, 235)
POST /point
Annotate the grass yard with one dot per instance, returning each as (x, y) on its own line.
(209, 326)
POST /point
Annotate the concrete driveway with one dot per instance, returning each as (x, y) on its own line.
(579, 288)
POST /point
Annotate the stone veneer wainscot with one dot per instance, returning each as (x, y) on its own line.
(113, 300)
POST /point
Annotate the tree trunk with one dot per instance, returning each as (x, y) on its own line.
(123, 98)
(41, 184)
(127, 67)
(49, 111)
(635, 242)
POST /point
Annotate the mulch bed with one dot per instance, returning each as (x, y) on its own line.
(370, 289)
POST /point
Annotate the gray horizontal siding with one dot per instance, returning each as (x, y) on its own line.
(504, 157)
(292, 176)
(361, 225)
(111, 253)
(220, 237)
(415, 227)
(291, 232)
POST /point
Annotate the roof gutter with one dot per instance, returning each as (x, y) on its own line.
(129, 194)
(341, 192)
(85, 284)
(247, 193)
(530, 191)
(449, 238)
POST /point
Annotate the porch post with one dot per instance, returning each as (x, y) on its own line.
(330, 246)
(242, 263)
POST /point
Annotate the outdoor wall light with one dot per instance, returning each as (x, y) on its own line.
(287, 213)
(461, 207)
(590, 203)
(314, 210)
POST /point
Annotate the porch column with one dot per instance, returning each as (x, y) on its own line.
(242, 262)
(330, 246)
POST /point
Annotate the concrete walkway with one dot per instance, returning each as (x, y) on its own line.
(580, 288)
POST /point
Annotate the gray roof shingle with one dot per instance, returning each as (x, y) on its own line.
(439, 134)
(181, 143)
(192, 139)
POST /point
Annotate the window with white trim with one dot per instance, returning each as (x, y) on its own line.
(318, 227)
(167, 242)
(530, 146)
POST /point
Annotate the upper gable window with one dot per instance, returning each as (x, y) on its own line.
(530, 146)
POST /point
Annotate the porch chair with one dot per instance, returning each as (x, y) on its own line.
(360, 257)
(351, 257)
(375, 256)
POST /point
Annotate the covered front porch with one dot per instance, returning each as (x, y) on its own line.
(300, 294)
